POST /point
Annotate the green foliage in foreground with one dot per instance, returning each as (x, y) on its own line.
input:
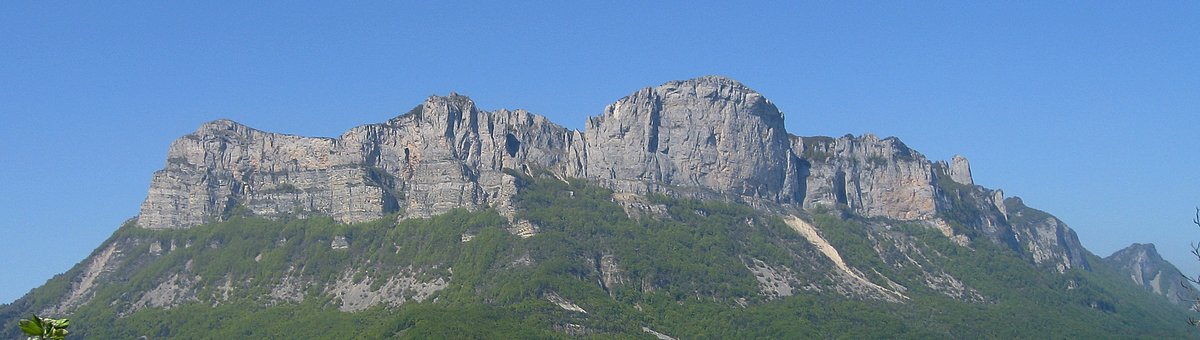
(38, 328)
(683, 274)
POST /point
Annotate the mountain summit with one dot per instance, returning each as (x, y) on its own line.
(709, 137)
(708, 133)
(1147, 269)
(684, 209)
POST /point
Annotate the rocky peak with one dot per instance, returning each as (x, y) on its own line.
(713, 99)
(440, 113)
(957, 170)
(1142, 258)
(960, 170)
(1143, 265)
(1143, 248)
(708, 132)
(709, 137)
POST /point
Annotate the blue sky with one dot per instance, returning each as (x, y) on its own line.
(1088, 110)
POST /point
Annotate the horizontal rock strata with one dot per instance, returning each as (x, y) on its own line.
(709, 137)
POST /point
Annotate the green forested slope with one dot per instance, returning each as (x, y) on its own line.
(680, 270)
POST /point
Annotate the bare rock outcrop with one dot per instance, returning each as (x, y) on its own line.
(712, 133)
(1146, 268)
(960, 170)
(1045, 239)
(705, 137)
(708, 137)
(98, 267)
(871, 176)
(441, 155)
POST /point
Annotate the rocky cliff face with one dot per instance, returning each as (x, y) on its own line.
(872, 177)
(705, 133)
(1043, 238)
(1143, 265)
(855, 206)
(711, 133)
(709, 137)
(441, 155)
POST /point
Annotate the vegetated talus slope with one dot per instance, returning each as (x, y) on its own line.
(679, 267)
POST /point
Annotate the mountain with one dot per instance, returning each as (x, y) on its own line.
(710, 138)
(682, 210)
(1147, 269)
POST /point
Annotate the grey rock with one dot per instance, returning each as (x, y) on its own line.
(441, 155)
(772, 282)
(707, 138)
(225, 164)
(998, 202)
(712, 133)
(609, 272)
(974, 207)
(1045, 239)
(1146, 268)
(960, 170)
(872, 177)
(339, 242)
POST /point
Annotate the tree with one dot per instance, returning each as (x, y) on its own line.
(1189, 281)
(44, 328)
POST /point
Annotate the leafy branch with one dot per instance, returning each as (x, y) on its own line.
(39, 328)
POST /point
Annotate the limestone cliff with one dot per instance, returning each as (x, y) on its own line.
(441, 155)
(846, 217)
(872, 177)
(712, 133)
(1043, 238)
(709, 137)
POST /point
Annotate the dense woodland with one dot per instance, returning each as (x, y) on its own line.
(684, 274)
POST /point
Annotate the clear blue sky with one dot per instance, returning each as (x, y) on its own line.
(1088, 110)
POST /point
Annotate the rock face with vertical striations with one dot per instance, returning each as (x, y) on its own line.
(225, 164)
(960, 170)
(709, 137)
(1043, 238)
(441, 155)
(712, 133)
(870, 176)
